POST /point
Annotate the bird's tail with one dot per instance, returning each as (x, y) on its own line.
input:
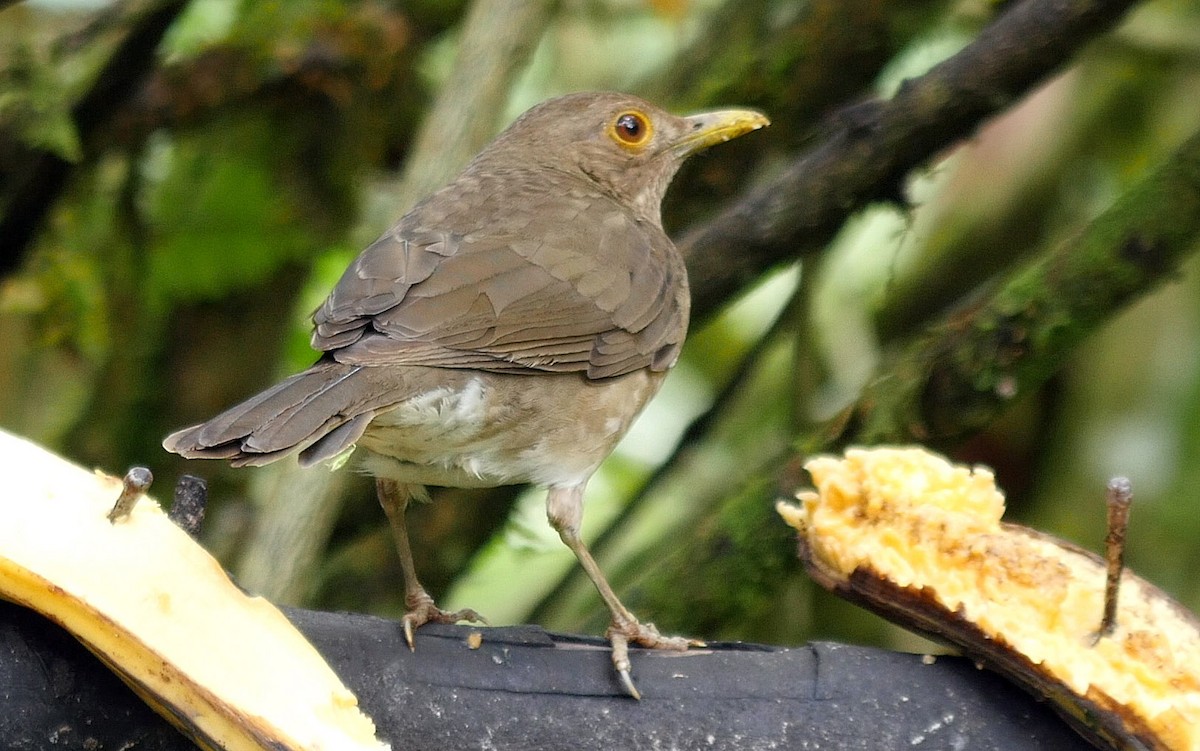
(319, 413)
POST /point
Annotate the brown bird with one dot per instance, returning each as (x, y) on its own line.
(508, 329)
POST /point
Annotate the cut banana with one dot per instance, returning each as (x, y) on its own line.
(227, 669)
(920, 541)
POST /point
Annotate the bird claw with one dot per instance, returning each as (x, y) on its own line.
(644, 634)
(426, 612)
(620, 659)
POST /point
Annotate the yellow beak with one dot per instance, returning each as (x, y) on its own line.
(710, 128)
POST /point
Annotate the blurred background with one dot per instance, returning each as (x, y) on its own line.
(182, 182)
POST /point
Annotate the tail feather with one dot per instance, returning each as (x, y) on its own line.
(319, 403)
(320, 413)
(335, 441)
(282, 400)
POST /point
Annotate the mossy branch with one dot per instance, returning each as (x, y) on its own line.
(966, 368)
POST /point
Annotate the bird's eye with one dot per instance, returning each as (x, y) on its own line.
(631, 129)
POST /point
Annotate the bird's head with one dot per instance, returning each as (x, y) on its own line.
(627, 146)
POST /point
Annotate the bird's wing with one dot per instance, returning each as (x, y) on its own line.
(566, 281)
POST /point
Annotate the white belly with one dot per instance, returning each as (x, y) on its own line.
(483, 430)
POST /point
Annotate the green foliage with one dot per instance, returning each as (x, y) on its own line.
(31, 105)
(177, 269)
(220, 225)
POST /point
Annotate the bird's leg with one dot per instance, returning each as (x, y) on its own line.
(564, 508)
(395, 497)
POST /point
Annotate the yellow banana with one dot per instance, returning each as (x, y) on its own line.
(920, 541)
(227, 669)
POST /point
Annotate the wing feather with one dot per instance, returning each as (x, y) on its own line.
(575, 284)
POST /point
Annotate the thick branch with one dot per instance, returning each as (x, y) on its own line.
(968, 367)
(874, 145)
(795, 61)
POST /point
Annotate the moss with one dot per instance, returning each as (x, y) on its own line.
(967, 368)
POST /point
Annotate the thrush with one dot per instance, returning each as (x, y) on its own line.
(508, 329)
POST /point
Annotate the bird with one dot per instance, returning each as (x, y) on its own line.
(507, 329)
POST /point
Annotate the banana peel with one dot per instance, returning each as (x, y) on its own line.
(227, 669)
(918, 540)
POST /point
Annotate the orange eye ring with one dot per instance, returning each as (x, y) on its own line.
(631, 129)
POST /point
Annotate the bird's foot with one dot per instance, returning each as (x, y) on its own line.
(421, 610)
(621, 633)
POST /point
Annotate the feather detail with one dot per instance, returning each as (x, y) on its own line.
(320, 412)
(598, 291)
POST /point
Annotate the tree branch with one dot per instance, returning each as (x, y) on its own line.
(794, 62)
(966, 368)
(873, 146)
(41, 175)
